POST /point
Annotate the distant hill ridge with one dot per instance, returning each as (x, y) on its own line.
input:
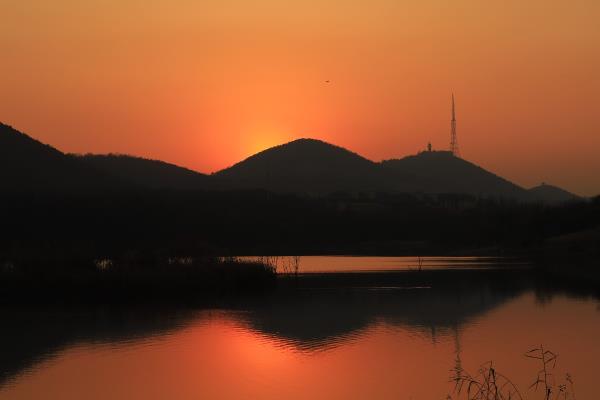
(29, 166)
(146, 172)
(442, 172)
(303, 166)
(314, 166)
(551, 194)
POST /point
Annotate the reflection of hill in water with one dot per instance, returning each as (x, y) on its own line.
(323, 318)
(308, 319)
(31, 336)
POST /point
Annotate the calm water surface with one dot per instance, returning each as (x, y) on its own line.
(316, 264)
(317, 344)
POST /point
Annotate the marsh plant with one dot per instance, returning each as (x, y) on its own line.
(293, 265)
(131, 275)
(270, 261)
(285, 265)
(489, 384)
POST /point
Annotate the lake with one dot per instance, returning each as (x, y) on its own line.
(320, 264)
(370, 342)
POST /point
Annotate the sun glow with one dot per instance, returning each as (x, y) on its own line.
(264, 139)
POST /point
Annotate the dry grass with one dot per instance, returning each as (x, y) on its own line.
(489, 384)
(281, 264)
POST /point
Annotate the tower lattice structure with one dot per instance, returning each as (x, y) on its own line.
(453, 139)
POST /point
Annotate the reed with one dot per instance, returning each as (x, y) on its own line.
(134, 275)
(489, 384)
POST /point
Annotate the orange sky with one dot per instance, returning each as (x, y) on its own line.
(206, 83)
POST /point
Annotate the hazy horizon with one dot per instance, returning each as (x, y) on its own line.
(206, 84)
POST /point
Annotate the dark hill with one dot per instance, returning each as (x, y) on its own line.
(147, 173)
(303, 166)
(29, 166)
(442, 172)
(551, 194)
(313, 166)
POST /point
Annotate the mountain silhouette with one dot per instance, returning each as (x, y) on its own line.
(148, 173)
(550, 194)
(304, 166)
(29, 166)
(313, 166)
(442, 172)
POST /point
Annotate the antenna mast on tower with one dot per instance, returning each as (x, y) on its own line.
(453, 139)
